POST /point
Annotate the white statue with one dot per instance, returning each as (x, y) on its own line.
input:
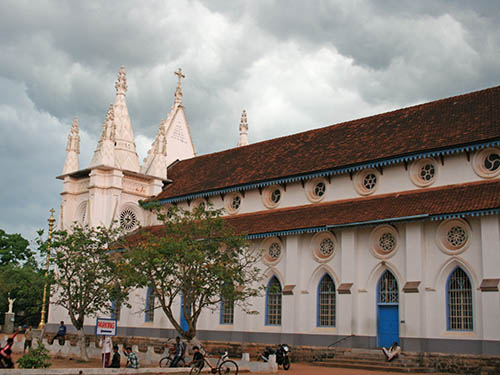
(11, 303)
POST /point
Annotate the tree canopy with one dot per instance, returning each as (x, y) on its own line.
(85, 275)
(194, 255)
(14, 249)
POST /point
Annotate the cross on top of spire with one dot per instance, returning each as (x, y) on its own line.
(178, 92)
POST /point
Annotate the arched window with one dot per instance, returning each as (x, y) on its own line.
(459, 301)
(115, 310)
(150, 306)
(226, 311)
(326, 302)
(388, 289)
(273, 302)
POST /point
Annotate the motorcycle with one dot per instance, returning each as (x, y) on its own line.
(282, 355)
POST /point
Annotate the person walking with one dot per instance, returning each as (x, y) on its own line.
(28, 338)
(6, 353)
(106, 344)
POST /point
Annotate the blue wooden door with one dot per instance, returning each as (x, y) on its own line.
(184, 324)
(387, 325)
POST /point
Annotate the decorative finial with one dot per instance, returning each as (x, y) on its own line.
(178, 91)
(74, 127)
(243, 141)
(110, 115)
(121, 84)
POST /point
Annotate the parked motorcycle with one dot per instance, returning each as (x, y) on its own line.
(282, 355)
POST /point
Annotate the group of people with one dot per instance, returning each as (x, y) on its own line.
(114, 362)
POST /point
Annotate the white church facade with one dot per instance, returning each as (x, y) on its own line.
(380, 229)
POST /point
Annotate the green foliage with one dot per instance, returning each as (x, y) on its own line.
(20, 276)
(13, 249)
(85, 277)
(35, 358)
(194, 254)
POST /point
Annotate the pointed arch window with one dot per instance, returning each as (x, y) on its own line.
(459, 301)
(326, 302)
(388, 289)
(150, 306)
(273, 302)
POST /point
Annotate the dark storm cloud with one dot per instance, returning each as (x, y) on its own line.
(293, 65)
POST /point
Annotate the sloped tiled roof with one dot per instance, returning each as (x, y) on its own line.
(460, 120)
(471, 198)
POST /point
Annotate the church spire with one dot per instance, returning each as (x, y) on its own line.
(72, 149)
(243, 141)
(125, 152)
(155, 164)
(178, 91)
(105, 152)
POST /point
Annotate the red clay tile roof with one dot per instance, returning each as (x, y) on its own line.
(456, 121)
(475, 196)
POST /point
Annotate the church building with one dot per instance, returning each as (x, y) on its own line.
(380, 229)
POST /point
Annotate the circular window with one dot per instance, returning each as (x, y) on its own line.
(272, 196)
(272, 250)
(232, 202)
(486, 163)
(453, 236)
(323, 246)
(423, 172)
(316, 189)
(366, 181)
(384, 240)
(128, 219)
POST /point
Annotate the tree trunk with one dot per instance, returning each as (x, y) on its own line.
(83, 345)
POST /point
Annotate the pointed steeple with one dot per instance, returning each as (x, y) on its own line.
(72, 149)
(125, 152)
(104, 154)
(243, 141)
(178, 91)
(155, 164)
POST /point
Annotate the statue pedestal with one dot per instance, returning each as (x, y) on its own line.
(8, 327)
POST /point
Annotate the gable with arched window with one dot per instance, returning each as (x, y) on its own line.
(459, 301)
(273, 302)
(326, 302)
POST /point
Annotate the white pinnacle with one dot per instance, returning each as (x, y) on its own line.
(243, 141)
(72, 149)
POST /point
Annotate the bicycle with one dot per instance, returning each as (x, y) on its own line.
(166, 361)
(224, 366)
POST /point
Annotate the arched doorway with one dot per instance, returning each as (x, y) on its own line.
(387, 310)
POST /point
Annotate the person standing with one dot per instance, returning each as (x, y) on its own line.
(106, 345)
(115, 362)
(6, 353)
(28, 338)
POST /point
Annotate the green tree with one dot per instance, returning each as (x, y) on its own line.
(21, 277)
(84, 276)
(194, 254)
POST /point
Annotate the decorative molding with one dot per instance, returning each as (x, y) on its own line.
(411, 287)
(489, 285)
(345, 288)
(288, 290)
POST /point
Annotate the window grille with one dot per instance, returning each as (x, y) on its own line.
(326, 302)
(227, 311)
(150, 306)
(273, 310)
(388, 289)
(459, 301)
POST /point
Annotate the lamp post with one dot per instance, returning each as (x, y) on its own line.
(51, 221)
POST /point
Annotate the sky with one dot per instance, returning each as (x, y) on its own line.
(292, 65)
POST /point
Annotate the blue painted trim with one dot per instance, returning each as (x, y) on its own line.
(221, 320)
(112, 314)
(448, 301)
(318, 320)
(385, 304)
(267, 300)
(327, 172)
